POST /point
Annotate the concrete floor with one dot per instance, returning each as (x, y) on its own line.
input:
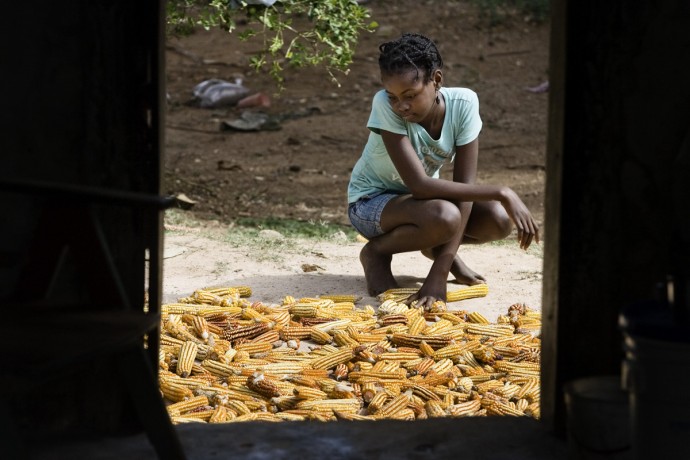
(490, 438)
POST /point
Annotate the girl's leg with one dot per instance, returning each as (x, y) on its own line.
(410, 225)
(488, 221)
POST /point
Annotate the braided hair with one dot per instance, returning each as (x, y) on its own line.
(410, 51)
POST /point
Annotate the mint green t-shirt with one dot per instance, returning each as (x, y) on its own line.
(374, 172)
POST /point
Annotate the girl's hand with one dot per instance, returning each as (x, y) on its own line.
(527, 228)
(431, 291)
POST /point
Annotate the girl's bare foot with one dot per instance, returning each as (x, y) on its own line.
(377, 270)
(462, 273)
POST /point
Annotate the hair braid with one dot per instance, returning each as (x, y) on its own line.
(410, 51)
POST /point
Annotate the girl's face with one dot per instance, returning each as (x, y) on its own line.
(409, 96)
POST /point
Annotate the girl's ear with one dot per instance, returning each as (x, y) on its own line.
(438, 78)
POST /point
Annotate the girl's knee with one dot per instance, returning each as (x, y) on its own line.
(498, 227)
(504, 227)
(446, 218)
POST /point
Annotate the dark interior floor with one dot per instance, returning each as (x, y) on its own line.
(494, 438)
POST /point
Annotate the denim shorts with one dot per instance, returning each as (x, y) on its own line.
(365, 213)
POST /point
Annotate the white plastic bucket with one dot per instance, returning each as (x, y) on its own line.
(657, 376)
(598, 422)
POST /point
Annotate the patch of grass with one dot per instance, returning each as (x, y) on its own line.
(298, 229)
(511, 242)
(261, 248)
(178, 218)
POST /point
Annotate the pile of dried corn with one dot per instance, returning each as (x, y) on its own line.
(225, 359)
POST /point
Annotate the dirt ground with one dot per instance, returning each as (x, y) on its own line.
(300, 169)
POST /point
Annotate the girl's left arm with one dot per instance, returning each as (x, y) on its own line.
(465, 171)
(465, 163)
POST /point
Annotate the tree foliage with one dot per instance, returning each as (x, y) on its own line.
(292, 32)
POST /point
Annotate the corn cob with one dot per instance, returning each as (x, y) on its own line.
(220, 415)
(534, 410)
(476, 317)
(303, 309)
(341, 297)
(320, 336)
(295, 332)
(392, 306)
(175, 392)
(440, 327)
(218, 368)
(362, 376)
(392, 318)
(397, 294)
(255, 348)
(423, 392)
(256, 417)
(490, 330)
(343, 339)
(186, 360)
(453, 351)
(470, 292)
(270, 336)
(350, 416)
(414, 340)
(503, 409)
(333, 359)
(394, 405)
(465, 384)
(251, 314)
(333, 325)
(187, 405)
(340, 372)
(329, 405)
(203, 413)
(424, 366)
(302, 392)
(416, 325)
(398, 356)
(434, 409)
(369, 389)
(205, 297)
(377, 402)
(246, 332)
(464, 409)
(522, 369)
(386, 367)
(530, 387)
(178, 420)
